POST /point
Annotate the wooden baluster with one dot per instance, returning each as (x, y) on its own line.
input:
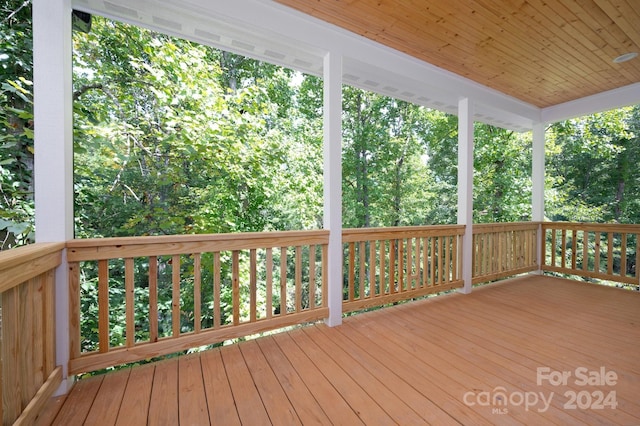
(74, 311)
(352, 271)
(130, 318)
(325, 274)
(574, 248)
(217, 320)
(585, 250)
(175, 295)
(489, 245)
(486, 252)
(283, 281)
(312, 277)
(235, 285)
(425, 263)
(637, 265)
(610, 253)
(454, 258)
(596, 262)
(553, 246)
(362, 271)
(392, 266)
(440, 260)
(563, 249)
(518, 242)
(413, 251)
(504, 256)
(269, 282)
(543, 249)
(447, 259)
(253, 284)
(153, 299)
(434, 261)
(298, 279)
(474, 255)
(372, 268)
(197, 292)
(383, 267)
(401, 266)
(623, 255)
(103, 306)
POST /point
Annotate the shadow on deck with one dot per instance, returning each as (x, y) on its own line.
(491, 357)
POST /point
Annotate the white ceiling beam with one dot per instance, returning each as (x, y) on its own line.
(605, 101)
(275, 33)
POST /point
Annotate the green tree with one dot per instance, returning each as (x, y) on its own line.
(502, 175)
(590, 168)
(16, 125)
(387, 179)
(165, 144)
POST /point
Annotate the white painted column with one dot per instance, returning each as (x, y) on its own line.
(537, 179)
(465, 188)
(333, 182)
(53, 180)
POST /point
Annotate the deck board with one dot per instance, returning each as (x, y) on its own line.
(336, 408)
(192, 402)
(163, 405)
(222, 408)
(275, 400)
(408, 364)
(308, 410)
(354, 393)
(78, 403)
(137, 394)
(392, 403)
(109, 397)
(251, 410)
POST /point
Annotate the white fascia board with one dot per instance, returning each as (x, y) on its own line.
(605, 101)
(272, 32)
(393, 68)
(210, 28)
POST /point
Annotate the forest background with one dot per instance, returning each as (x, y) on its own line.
(172, 137)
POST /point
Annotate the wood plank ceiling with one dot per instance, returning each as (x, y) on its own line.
(544, 52)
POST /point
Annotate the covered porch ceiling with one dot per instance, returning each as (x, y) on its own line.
(521, 62)
(541, 52)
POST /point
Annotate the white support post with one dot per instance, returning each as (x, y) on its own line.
(333, 182)
(465, 188)
(537, 191)
(53, 180)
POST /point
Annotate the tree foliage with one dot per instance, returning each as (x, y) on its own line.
(174, 137)
(16, 124)
(502, 175)
(591, 171)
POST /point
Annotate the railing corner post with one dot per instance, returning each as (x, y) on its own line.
(62, 324)
(466, 262)
(539, 249)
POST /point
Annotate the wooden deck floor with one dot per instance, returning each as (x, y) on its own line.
(457, 359)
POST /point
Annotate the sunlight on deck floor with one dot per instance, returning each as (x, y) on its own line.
(496, 356)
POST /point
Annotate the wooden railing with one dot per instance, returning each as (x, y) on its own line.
(503, 249)
(150, 296)
(27, 287)
(386, 265)
(592, 250)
